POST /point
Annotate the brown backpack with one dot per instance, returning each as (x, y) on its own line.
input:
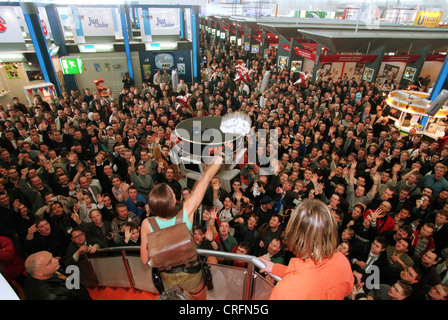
(171, 247)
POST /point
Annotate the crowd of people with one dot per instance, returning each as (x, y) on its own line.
(76, 172)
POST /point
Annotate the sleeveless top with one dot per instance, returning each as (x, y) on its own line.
(170, 222)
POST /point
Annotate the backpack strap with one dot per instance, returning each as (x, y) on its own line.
(153, 223)
(179, 216)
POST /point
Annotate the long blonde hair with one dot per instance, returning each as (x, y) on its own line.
(312, 231)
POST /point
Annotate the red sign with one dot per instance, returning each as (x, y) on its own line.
(401, 58)
(2, 25)
(44, 27)
(286, 47)
(347, 58)
(436, 57)
(258, 39)
(305, 54)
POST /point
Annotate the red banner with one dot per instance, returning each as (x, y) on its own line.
(286, 47)
(347, 58)
(258, 39)
(305, 54)
(401, 58)
(436, 57)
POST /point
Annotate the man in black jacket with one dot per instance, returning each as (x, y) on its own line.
(44, 282)
(246, 230)
(364, 259)
(79, 244)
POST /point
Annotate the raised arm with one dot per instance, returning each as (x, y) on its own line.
(352, 173)
(198, 192)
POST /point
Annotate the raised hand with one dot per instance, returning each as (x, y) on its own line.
(75, 217)
(209, 234)
(32, 230)
(213, 213)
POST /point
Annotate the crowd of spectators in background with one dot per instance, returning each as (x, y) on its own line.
(76, 171)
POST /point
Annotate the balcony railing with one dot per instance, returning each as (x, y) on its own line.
(122, 267)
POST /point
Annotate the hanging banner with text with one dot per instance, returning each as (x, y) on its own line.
(305, 54)
(258, 39)
(436, 57)
(10, 31)
(97, 21)
(402, 58)
(164, 21)
(429, 19)
(286, 47)
(348, 58)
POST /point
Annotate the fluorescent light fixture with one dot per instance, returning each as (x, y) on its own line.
(86, 48)
(153, 46)
(168, 45)
(92, 48)
(12, 57)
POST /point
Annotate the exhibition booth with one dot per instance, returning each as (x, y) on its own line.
(412, 107)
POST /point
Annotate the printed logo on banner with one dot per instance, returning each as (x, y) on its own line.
(97, 24)
(44, 27)
(2, 25)
(163, 23)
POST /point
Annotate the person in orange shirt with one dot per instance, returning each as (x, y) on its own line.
(318, 271)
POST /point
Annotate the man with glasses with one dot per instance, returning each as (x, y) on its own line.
(79, 245)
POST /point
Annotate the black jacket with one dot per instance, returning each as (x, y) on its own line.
(241, 230)
(52, 289)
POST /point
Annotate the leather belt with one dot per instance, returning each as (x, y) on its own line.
(183, 268)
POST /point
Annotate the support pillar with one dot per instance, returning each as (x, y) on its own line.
(31, 15)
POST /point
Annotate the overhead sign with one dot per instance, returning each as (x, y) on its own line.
(429, 19)
(305, 54)
(347, 58)
(71, 65)
(10, 31)
(286, 47)
(45, 23)
(97, 22)
(436, 57)
(401, 58)
(164, 21)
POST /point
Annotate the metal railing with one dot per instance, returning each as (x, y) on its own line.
(122, 267)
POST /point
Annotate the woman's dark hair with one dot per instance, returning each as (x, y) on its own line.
(162, 201)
